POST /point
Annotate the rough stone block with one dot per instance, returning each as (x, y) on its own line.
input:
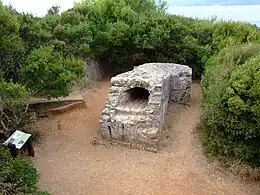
(138, 100)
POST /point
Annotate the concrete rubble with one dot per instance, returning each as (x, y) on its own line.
(138, 100)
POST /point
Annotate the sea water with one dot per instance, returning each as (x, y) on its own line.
(243, 13)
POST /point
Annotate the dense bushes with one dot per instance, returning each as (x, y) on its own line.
(47, 71)
(17, 176)
(121, 34)
(230, 124)
(225, 61)
(228, 34)
(11, 45)
(168, 39)
(13, 106)
(230, 119)
(24, 59)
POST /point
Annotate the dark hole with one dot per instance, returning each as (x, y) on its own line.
(110, 132)
(138, 93)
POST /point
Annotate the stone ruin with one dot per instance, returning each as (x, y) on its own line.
(137, 101)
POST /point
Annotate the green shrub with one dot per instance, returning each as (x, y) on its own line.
(230, 122)
(228, 34)
(48, 72)
(13, 106)
(11, 45)
(222, 64)
(17, 176)
(13, 95)
(162, 39)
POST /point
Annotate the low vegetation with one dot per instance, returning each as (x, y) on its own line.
(230, 124)
(17, 176)
(45, 55)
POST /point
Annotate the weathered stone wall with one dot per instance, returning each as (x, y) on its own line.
(143, 120)
(165, 100)
(181, 79)
(93, 69)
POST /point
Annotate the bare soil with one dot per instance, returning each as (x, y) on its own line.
(70, 165)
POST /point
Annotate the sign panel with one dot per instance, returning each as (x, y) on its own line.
(18, 138)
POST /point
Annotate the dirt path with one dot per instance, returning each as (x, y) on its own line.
(70, 165)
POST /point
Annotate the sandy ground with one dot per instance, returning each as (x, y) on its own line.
(70, 165)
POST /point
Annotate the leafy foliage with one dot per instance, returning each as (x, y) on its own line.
(230, 125)
(17, 176)
(12, 95)
(228, 34)
(225, 61)
(13, 106)
(11, 45)
(47, 71)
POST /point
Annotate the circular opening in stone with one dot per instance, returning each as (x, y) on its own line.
(137, 94)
